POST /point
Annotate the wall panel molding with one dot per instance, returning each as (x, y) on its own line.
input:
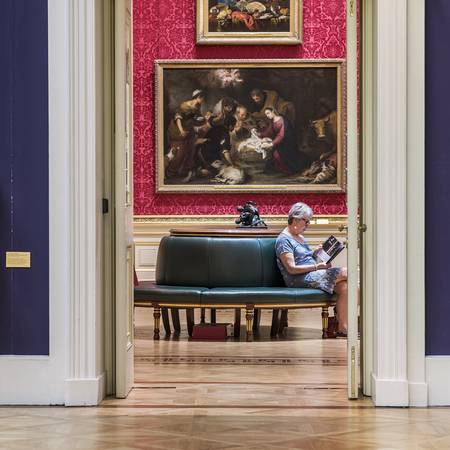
(437, 370)
(416, 204)
(39, 380)
(390, 386)
(85, 291)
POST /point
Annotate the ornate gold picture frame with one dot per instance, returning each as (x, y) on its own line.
(243, 22)
(250, 126)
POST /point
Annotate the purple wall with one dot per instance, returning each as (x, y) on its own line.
(24, 310)
(437, 173)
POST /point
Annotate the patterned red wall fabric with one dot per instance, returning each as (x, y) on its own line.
(166, 30)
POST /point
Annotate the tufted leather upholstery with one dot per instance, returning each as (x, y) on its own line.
(217, 262)
(221, 270)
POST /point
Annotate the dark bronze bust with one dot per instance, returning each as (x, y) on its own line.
(249, 216)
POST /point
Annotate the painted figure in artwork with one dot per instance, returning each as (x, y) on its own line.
(265, 98)
(182, 135)
(285, 154)
(217, 143)
(242, 129)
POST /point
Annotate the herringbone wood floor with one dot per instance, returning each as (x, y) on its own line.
(288, 393)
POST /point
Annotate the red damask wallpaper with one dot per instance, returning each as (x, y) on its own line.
(165, 29)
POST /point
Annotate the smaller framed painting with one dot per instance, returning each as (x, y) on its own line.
(243, 22)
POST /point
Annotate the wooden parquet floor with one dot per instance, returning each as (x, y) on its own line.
(231, 395)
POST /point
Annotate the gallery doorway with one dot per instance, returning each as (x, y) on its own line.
(148, 357)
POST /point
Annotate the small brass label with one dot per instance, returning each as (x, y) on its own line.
(18, 260)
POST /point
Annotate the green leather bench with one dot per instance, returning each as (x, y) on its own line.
(223, 272)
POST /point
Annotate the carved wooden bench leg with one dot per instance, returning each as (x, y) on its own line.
(249, 318)
(202, 315)
(324, 321)
(165, 319)
(237, 322)
(275, 322)
(213, 315)
(190, 320)
(175, 319)
(156, 317)
(256, 319)
(283, 320)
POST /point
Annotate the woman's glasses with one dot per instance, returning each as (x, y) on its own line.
(307, 221)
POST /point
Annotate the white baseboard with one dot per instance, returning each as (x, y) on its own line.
(438, 379)
(418, 395)
(389, 392)
(31, 380)
(85, 392)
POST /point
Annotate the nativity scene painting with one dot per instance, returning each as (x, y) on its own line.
(247, 21)
(249, 127)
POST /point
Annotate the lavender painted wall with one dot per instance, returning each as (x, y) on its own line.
(24, 294)
(437, 173)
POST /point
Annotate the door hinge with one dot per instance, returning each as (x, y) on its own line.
(362, 227)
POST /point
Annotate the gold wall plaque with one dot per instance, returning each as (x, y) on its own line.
(18, 260)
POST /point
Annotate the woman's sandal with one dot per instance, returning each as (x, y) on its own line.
(341, 335)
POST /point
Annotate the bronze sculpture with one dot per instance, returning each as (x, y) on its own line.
(249, 216)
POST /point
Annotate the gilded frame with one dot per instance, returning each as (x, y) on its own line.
(161, 69)
(291, 37)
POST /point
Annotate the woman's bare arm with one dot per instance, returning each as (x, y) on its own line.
(289, 263)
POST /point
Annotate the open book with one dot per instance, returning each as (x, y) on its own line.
(330, 249)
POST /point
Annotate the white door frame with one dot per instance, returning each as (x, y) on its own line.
(123, 205)
(352, 199)
(397, 101)
(396, 96)
(75, 366)
(367, 165)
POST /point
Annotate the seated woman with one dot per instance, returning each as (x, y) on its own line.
(299, 268)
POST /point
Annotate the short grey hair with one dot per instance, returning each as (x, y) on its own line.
(299, 211)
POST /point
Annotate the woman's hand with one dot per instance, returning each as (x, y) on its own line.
(323, 265)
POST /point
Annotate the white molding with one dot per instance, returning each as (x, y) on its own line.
(418, 394)
(389, 391)
(123, 208)
(85, 392)
(416, 203)
(32, 380)
(390, 386)
(84, 349)
(368, 211)
(352, 201)
(437, 372)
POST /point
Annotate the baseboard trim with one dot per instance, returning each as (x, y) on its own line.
(389, 392)
(418, 395)
(438, 376)
(85, 392)
(30, 380)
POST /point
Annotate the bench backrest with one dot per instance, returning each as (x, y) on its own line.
(217, 262)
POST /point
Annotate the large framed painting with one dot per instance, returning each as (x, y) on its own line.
(249, 22)
(250, 126)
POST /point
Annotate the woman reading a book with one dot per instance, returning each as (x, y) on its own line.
(299, 267)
